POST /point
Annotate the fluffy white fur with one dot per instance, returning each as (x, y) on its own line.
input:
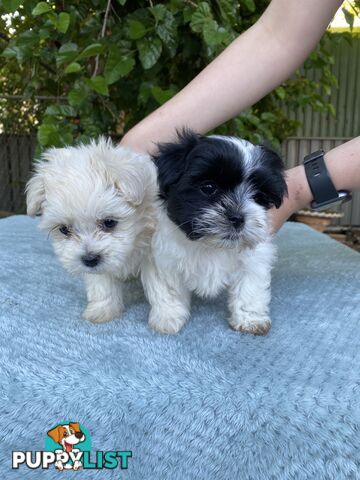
(79, 187)
(179, 266)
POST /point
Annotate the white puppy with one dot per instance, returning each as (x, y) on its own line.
(212, 230)
(96, 201)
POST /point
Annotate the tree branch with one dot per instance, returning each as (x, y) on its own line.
(103, 30)
(35, 97)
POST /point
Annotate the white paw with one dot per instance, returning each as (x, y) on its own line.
(250, 322)
(166, 322)
(59, 465)
(77, 465)
(102, 312)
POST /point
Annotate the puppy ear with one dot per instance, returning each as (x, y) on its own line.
(35, 192)
(133, 175)
(35, 187)
(171, 159)
(56, 433)
(269, 179)
(75, 426)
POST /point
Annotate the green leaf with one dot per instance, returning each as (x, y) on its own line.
(66, 53)
(30, 38)
(249, 4)
(10, 51)
(162, 96)
(11, 6)
(149, 49)
(41, 8)
(214, 34)
(280, 92)
(73, 68)
(60, 110)
(144, 93)
(46, 133)
(50, 134)
(77, 96)
(229, 11)
(188, 13)
(63, 22)
(136, 29)
(159, 12)
(20, 52)
(91, 51)
(167, 31)
(99, 85)
(349, 17)
(118, 65)
(200, 17)
(332, 110)
(44, 34)
(268, 117)
(122, 2)
(253, 119)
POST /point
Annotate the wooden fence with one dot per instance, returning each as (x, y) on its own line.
(345, 98)
(17, 153)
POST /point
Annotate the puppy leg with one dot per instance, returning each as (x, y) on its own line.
(59, 465)
(250, 296)
(104, 295)
(168, 298)
(77, 465)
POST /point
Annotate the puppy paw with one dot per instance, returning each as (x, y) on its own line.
(77, 465)
(59, 465)
(250, 322)
(102, 312)
(165, 322)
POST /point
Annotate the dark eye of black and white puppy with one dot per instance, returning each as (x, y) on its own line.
(219, 188)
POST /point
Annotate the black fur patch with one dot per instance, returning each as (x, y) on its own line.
(269, 180)
(187, 166)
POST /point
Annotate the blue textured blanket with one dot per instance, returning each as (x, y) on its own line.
(208, 403)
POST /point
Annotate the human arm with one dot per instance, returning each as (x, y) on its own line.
(255, 63)
(249, 68)
(343, 164)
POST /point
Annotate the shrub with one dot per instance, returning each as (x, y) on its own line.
(101, 66)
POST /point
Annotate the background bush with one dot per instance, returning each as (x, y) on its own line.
(98, 67)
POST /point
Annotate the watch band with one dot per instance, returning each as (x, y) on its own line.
(321, 185)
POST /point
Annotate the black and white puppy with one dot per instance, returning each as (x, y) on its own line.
(213, 230)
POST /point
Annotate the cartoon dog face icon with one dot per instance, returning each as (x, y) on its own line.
(67, 436)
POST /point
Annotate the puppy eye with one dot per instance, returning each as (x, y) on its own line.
(72, 431)
(65, 434)
(209, 188)
(108, 224)
(65, 230)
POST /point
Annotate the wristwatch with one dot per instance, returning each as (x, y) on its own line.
(320, 183)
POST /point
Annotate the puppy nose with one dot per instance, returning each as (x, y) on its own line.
(91, 259)
(237, 220)
(78, 434)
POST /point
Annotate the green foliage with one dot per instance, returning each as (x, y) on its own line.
(351, 10)
(102, 71)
